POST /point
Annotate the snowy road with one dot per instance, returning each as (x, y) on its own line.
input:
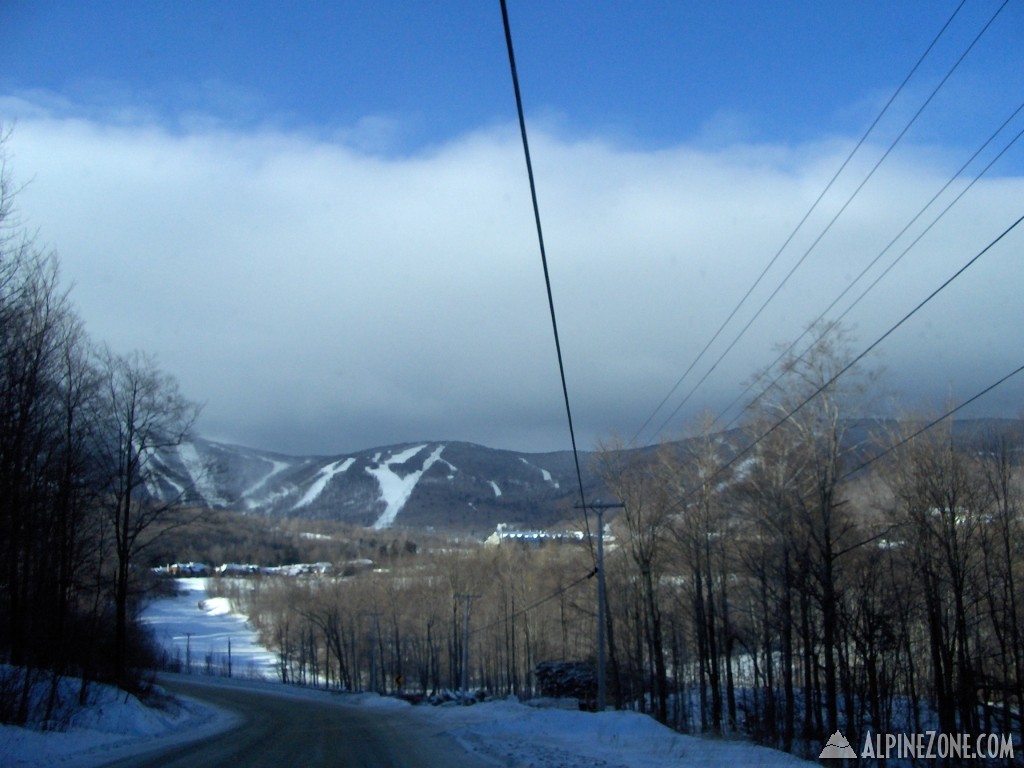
(282, 730)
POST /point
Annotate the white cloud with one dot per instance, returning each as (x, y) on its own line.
(321, 296)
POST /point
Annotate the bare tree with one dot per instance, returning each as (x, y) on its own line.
(697, 480)
(1001, 559)
(813, 408)
(943, 503)
(646, 514)
(144, 413)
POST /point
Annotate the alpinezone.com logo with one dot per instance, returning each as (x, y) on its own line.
(837, 747)
(930, 745)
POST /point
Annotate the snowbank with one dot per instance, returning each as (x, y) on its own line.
(112, 725)
(513, 734)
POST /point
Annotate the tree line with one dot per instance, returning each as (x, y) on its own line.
(79, 426)
(821, 582)
(817, 581)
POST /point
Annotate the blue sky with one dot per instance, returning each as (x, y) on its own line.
(322, 214)
(652, 73)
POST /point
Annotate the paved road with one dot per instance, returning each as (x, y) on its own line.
(281, 732)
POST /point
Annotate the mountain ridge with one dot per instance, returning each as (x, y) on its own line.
(432, 484)
(441, 485)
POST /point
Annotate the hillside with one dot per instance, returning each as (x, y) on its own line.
(443, 486)
(446, 486)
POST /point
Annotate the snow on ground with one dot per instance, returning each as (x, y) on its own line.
(195, 628)
(323, 477)
(395, 490)
(513, 734)
(502, 733)
(543, 472)
(276, 468)
(452, 469)
(113, 725)
(200, 474)
(494, 486)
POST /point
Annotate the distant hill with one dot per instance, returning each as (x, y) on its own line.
(445, 486)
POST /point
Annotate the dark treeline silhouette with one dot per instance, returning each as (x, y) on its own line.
(78, 427)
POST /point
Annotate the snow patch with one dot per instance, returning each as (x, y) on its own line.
(199, 475)
(395, 490)
(112, 725)
(323, 477)
(543, 473)
(508, 733)
(179, 489)
(216, 606)
(276, 468)
(497, 490)
(403, 456)
(452, 469)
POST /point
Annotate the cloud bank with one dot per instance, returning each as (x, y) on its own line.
(322, 296)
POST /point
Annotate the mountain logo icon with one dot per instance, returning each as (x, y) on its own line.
(837, 747)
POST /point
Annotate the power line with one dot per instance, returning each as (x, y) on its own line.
(874, 261)
(799, 225)
(543, 253)
(831, 222)
(750, 446)
(871, 173)
(537, 603)
(932, 423)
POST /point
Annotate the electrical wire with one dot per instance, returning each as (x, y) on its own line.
(562, 590)
(828, 226)
(750, 446)
(536, 603)
(931, 424)
(757, 314)
(799, 225)
(544, 258)
(874, 261)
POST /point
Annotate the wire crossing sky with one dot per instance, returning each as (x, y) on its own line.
(315, 216)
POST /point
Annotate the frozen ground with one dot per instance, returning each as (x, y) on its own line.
(503, 733)
(197, 631)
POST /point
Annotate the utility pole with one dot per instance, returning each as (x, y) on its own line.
(373, 651)
(465, 643)
(601, 600)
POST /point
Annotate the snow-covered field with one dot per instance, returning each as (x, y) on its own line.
(503, 733)
(198, 631)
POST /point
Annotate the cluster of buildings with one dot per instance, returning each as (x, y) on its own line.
(532, 538)
(243, 569)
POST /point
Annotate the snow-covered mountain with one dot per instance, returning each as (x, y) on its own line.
(445, 485)
(448, 486)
